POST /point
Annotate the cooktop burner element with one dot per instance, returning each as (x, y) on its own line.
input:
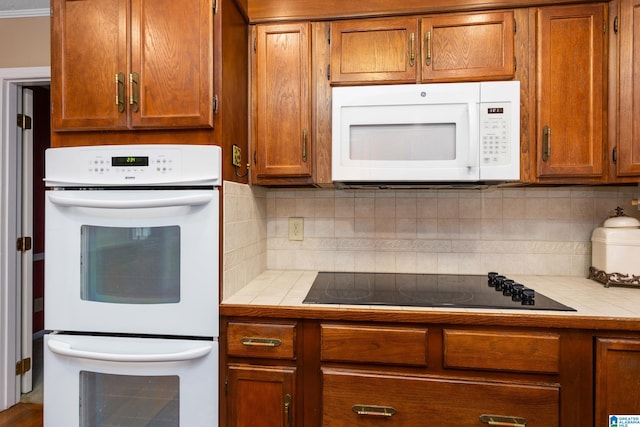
(428, 290)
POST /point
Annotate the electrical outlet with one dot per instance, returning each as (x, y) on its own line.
(236, 157)
(296, 228)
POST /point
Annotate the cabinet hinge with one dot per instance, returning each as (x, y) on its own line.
(24, 121)
(515, 63)
(515, 26)
(604, 27)
(215, 104)
(615, 25)
(23, 244)
(255, 158)
(255, 45)
(329, 35)
(23, 366)
(226, 386)
(329, 72)
(215, 6)
(614, 155)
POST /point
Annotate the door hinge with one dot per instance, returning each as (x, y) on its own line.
(23, 244)
(615, 25)
(24, 121)
(215, 7)
(23, 366)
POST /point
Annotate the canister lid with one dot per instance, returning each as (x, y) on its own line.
(622, 221)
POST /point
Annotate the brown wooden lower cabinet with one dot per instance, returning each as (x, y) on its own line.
(364, 399)
(316, 373)
(261, 396)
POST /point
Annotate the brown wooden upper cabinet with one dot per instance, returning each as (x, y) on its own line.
(628, 144)
(281, 87)
(132, 64)
(571, 81)
(451, 47)
(469, 46)
(375, 51)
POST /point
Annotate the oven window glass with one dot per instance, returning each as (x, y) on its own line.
(130, 265)
(127, 400)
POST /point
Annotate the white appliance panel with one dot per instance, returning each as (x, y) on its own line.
(105, 381)
(132, 261)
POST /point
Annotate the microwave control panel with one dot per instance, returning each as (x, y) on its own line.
(495, 141)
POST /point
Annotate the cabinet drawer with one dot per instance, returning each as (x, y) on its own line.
(502, 351)
(410, 401)
(373, 344)
(270, 340)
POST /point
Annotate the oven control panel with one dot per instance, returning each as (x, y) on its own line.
(137, 165)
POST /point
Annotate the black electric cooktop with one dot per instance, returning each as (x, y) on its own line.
(428, 290)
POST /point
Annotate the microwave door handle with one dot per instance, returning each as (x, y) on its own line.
(65, 349)
(189, 200)
(473, 160)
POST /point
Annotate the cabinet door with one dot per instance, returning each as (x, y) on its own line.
(628, 159)
(352, 398)
(374, 50)
(171, 63)
(472, 46)
(261, 396)
(282, 89)
(88, 64)
(571, 90)
(617, 378)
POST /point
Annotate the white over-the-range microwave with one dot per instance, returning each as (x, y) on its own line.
(426, 134)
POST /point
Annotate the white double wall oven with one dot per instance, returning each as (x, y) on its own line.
(132, 244)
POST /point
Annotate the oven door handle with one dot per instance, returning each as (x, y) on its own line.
(65, 349)
(189, 200)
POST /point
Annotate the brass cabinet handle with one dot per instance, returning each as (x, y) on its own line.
(260, 342)
(546, 143)
(120, 91)
(428, 43)
(287, 408)
(412, 51)
(374, 410)
(500, 420)
(134, 90)
(304, 145)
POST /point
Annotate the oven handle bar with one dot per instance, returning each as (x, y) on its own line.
(189, 200)
(64, 349)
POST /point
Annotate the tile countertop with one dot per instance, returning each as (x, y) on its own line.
(282, 292)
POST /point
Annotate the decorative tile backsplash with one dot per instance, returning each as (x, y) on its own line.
(521, 230)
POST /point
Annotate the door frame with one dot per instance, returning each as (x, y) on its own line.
(11, 79)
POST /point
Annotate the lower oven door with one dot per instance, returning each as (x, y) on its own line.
(132, 261)
(113, 381)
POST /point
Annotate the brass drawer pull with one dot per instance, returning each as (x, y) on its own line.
(499, 420)
(260, 342)
(546, 143)
(374, 410)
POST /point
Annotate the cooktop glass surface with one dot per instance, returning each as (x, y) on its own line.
(425, 290)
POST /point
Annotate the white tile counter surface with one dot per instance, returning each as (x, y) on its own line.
(288, 288)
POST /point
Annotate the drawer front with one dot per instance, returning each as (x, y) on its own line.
(268, 340)
(372, 344)
(411, 401)
(502, 351)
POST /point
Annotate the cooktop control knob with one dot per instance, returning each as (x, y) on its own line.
(528, 297)
(507, 285)
(516, 292)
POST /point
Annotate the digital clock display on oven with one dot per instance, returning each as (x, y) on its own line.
(130, 161)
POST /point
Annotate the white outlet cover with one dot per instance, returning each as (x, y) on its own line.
(296, 228)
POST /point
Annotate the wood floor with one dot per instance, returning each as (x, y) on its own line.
(22, 415)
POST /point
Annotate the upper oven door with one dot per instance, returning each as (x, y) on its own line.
(132, 261)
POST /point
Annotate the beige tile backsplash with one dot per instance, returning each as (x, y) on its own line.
(512, 230)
